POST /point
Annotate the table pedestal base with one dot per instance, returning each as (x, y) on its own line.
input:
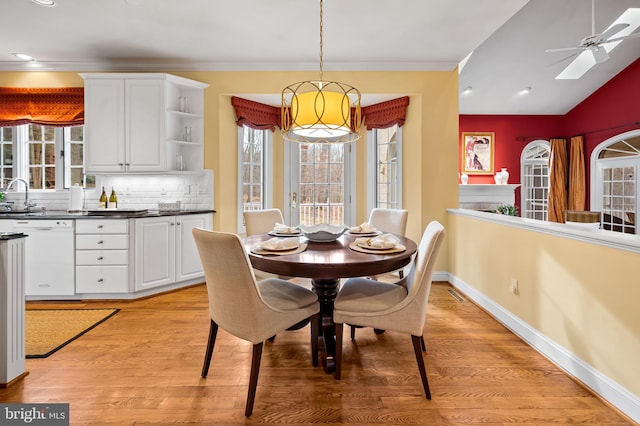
(327, 290)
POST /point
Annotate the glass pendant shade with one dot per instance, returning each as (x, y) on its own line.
(320, 112)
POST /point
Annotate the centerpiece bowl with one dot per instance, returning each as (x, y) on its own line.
(323, 232)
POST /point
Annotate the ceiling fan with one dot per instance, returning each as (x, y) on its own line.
(595, 43)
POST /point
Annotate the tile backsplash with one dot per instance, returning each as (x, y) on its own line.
(135, 192)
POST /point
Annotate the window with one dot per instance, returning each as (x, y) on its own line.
(30, 151)
(534, 174)
(385, 170)
(614, 182)
(254, 174)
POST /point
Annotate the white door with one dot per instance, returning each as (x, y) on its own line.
(319, 183)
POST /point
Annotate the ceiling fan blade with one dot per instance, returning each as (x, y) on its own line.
(611, 40)
(573, 55)
(615, 29)
(564, 49)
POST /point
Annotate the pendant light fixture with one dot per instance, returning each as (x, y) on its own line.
(320, 111)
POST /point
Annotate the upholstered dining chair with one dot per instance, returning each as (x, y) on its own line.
(261, 221)
(392, 307)
(246, 308)
(393, 221)
(389, 220)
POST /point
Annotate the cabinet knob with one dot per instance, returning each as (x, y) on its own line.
(100, 280)
(100, 242)
(100, 258)
(178, 223)
(100, 226)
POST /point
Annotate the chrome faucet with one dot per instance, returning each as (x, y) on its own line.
(27, 202)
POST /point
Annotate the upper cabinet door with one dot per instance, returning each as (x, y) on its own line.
(145, 125)
(104, 125)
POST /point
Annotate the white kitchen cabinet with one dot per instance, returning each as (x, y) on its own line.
(188, 263)
(165, 251)
(102, 256)
(138, 123)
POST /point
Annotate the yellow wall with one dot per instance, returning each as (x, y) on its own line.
(581, 295)
(430, 135)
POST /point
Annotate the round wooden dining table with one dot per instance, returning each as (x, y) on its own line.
(326, 263)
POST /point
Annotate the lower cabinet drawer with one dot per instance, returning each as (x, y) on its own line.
(102, 279)
(102, 242)
(102, 257)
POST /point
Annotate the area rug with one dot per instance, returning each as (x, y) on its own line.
(48, 330)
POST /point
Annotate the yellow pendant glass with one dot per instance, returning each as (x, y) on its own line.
(320, 114)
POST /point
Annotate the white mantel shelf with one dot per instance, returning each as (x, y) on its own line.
(486, 196)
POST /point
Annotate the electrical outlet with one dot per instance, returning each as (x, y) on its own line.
(514, 287)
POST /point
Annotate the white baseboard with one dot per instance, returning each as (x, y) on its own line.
(618, 396)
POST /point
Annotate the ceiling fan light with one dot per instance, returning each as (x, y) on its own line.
(599, 55)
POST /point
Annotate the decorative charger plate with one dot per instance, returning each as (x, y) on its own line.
(399, 248)
(258, 249)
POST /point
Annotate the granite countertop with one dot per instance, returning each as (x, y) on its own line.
(95, 214)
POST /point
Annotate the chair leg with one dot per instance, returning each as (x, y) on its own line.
(253, 379)
(338, 372)
(422, 345)
(315, 333)
(213, 332)
(420, 360)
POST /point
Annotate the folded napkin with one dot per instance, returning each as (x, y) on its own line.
(280, 244)
(386, 241)
(363, 228)
(281, 228)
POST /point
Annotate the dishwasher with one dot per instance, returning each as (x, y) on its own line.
(49, 256)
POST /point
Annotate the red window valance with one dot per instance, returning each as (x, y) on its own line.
(48, 106)
(386, 114)
(256, 115)
(261, 116)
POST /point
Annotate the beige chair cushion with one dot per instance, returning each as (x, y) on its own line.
(284, 295)
(362, 295)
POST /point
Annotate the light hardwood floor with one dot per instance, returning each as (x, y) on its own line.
(143, 365)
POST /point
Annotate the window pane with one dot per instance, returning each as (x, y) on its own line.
(76, 156)
(50, 154)
(35, 154)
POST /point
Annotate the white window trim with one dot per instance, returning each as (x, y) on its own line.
(529, 146)
(267, 168)
(595, 193)
(372, 169)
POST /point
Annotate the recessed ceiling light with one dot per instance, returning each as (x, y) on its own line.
(525, 91)
(47, 3)
(467, 90)
(24, 57)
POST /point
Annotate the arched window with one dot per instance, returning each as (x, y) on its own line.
(614, 181)
(534, 173)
